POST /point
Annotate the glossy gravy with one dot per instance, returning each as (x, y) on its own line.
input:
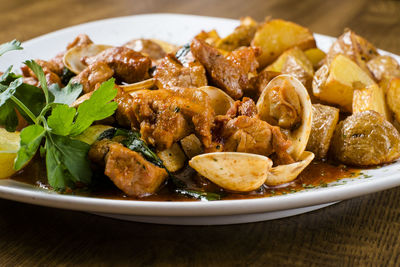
(317, 174)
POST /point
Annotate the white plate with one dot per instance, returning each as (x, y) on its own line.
(179, 29)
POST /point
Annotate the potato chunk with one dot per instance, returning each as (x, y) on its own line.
(325, 119)
(276, 36)
(393, 97)
(384, 67)
(366, 139)
(316, 56)
(354, 47)
(191, 145)
(173, 158)
(336, 82)
(241, 36)
(295, 63)
(371, 98)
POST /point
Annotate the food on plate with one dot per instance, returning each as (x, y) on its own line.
(335, 83)
(324, 121)
(9, 145)
(366, 139)
(276, 36)
(258, 112)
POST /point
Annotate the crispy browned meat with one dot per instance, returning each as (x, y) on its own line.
(262, 80)
(245, 107)
(251, 135)
(129, 66)
(165, 117)
(233, 72)
(147, 47)
(49, 69)
(92, 75)
(80, 40)
(129, 171)
(171, 73)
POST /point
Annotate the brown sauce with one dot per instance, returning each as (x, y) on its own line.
(317, 174)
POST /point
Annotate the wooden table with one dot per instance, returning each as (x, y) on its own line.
(361, 231)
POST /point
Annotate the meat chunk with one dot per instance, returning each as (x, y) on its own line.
(80, 40)
(147, 47)
(245, 107)
(128, 170)
(171, 73)
(232, 72)
(92, 75)
(129, 66)
(165, 117)
(49, 69)
(252, 135)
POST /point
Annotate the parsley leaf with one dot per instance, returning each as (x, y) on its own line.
(66, 95)
(66, 161)
(8, 92)
(61, 119)
(8, 117)
(10, 46)
(97, 107)
(37, 69)
(31, 137)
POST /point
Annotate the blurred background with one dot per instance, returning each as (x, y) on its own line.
(375, 20)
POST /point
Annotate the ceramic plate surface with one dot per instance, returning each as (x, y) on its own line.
(179, 29)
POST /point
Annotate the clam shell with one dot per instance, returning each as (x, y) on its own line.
(286, 173)
(146, 84)
(219, 100)
(299, 136)
(72, 58)
(240, 172)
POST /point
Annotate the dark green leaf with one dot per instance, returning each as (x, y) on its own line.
(205, 196)
(32, 97)
(66, 75)
(37, 69)
(8, 117)
(135, 143)
(7, 77)
(97, 107)
(9, 91)
(71, 155)
(66, 95)
(10, 46)
(31, 137)
(61, 119)
(57, 174)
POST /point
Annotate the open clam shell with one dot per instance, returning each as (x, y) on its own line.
(73, 57)
(300, 135)
(142, 85)
(232, 171)
(167, 47)
(286, 173)
(220, 101)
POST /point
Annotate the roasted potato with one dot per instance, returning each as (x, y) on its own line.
(371, 98)
(354, 47)
(191, 145)
(295, 63)
(324, 121)
(211, 37)
(173, 158)
(366, 139)
(276, 36)
(384, 67)
(241, 36)
(316, 57)
(336, 82)
(393, 97)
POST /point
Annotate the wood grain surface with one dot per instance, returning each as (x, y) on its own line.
(361, 231)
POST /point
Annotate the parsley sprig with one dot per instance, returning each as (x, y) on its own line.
(53, 124)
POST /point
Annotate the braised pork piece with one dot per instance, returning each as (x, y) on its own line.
(235, 116)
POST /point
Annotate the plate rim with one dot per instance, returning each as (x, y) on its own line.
(191, 208)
